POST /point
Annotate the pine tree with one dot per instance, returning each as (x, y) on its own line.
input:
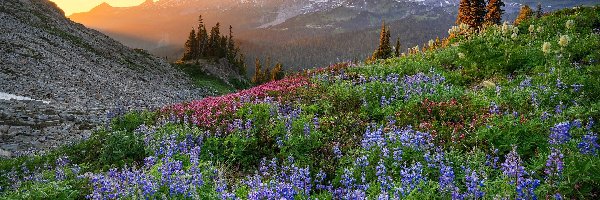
(494, 12)
(277, 72)
(202, 37)
(524, 14)
(190, 46)
(222, 47)
(397, 48)
(241, 65)
(266, 75)
(385, 49)
(478, 12)
(539, 12)
(464, 11)
(257, 78)
(214, 41)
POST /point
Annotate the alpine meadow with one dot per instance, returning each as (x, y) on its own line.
(504, 105)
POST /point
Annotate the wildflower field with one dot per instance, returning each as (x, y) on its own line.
(505, 113)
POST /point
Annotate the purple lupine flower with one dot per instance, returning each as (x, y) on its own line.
(589, 144)
(384, 101)
(306, 130)
(554, 164)
(474, 184)
(577, 87)
(336, 151)
(525, 83)
(559, 134)
(590, 123)
(576, 123)
(385, 181)
(316, 122)
(347, 179)
(397, 154)
(362, 161)
(446, 179)
(411, 178)
(492, 161)
(498, 89)
(373, 137)
(279, 142)
(526, 188)
(512, 166)
(415, 139)
(545, 116)
(558, 109)
(534, 100)
(560, 84)
(494, 109)
(149, 161)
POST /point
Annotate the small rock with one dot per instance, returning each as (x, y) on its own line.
(5, 154)
(16, 130)
(4, 128)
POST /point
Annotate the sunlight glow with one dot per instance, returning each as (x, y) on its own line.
(76, 6)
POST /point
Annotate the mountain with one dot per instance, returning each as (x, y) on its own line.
(493, 114)
(80, 73)
(284, 29)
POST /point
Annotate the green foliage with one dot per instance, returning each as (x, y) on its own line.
(132, 120)
(120, 148)
(46, 190)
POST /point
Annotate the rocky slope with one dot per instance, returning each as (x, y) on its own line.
(81, 73)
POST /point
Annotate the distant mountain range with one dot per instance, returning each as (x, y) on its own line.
(264, 27)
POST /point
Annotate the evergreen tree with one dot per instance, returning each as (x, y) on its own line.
(202, 37)
(277, 72)
(464, 11)
(241, 65)
(222, 47)
(494, 12)
(478, 13)
(190, 46)
(539, 12)
(385, 49)
(214, 41)
(266, 75)
(231, 50)
(257, 78)
(524, 14)
(397, 48)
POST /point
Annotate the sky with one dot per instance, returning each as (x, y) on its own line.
(76, 6)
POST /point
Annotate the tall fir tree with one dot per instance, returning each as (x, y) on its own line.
(214, 41)
(257, 78)
(202, 37)
(397, 48)
(266, 75)
(190, 46)
(539, 12)
(471, 12)
(385, 49)
(478, 12)
(524, 14)
(277, 72)
(464, 11)
(241, 63)
(494, 12)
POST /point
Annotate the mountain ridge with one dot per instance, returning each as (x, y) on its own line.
(81, 73)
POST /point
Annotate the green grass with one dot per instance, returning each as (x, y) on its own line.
(204, 80)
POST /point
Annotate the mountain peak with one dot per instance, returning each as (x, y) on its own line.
(147, 3)
(102, 6)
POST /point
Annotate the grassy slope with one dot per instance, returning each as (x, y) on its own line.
(204, 80)
(457, 113)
